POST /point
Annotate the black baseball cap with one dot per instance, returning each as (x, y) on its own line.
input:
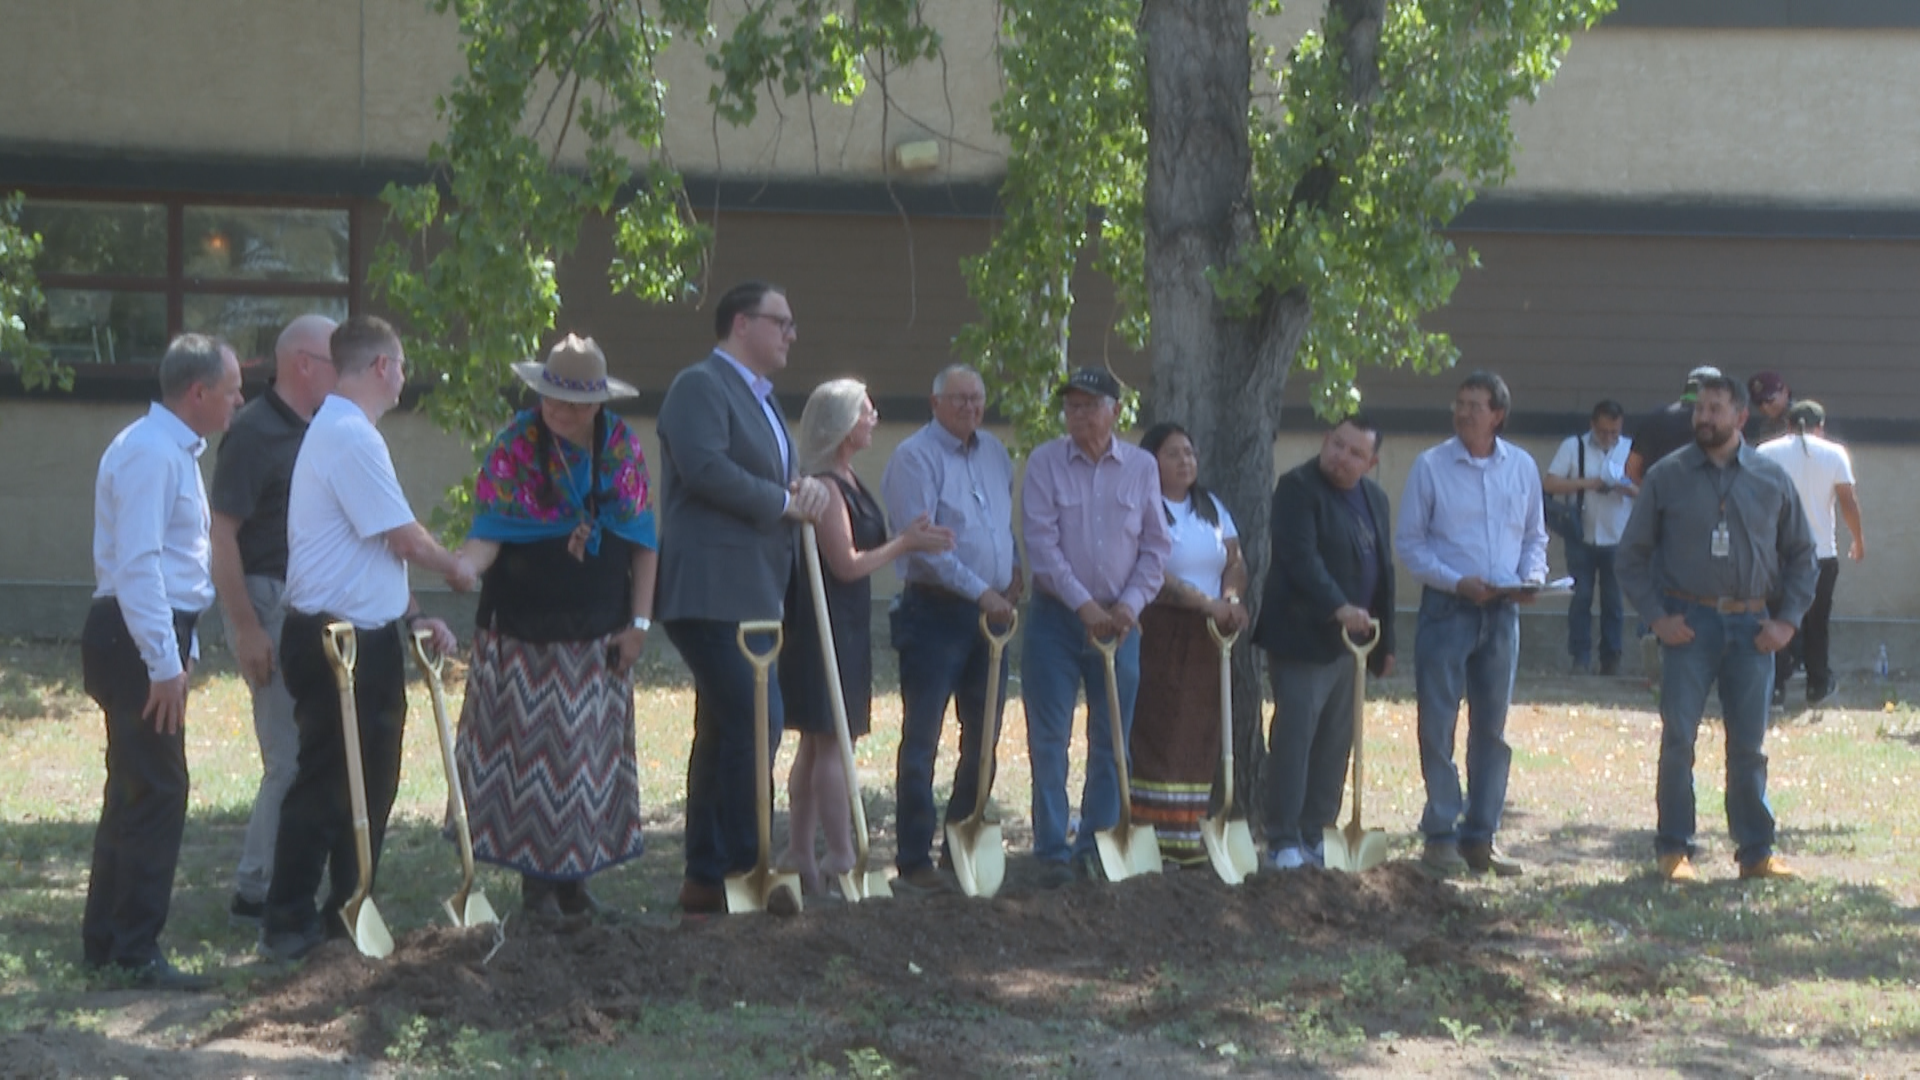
(1093, 381)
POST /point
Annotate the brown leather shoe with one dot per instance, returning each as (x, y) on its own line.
(699, 898)
(1771, 866)
(1678, 869)
(1443, 857)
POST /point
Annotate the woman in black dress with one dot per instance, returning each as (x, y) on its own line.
(836, 424)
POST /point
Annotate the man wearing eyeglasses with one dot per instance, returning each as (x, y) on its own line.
(250, 482)
(730, 499)
(962, 478)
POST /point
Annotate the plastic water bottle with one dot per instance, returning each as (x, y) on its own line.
(1880, 664)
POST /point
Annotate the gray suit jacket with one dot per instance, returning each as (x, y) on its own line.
(725, 552)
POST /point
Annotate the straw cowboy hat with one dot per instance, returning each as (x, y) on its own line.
(576, 370)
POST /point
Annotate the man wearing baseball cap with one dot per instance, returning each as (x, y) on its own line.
(1669, 429)
(1771, 396)
(1097, 543)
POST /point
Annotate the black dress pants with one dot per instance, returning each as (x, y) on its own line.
(143, 810)
(316, 821)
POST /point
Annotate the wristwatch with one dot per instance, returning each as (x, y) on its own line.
(642, 623)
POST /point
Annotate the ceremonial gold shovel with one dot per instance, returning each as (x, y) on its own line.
(467, 906)
(363, 920)
(1126, 850)
(1229, 843)
(749, 890)
(979, 854)
(1357, 848)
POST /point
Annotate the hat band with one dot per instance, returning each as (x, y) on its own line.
(587, 386)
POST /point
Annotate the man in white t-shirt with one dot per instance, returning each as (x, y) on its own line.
(1822, 474)
(350, 536)
(1592, 470)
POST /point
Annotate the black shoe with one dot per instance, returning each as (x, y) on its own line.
(1779, 699)
(288, 946)
(1054, 875)
(1486, 858)
(1609, 666)
(245, 912)
(159, 974)
(1821, 691)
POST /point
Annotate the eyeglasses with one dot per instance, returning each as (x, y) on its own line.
(311, 355)
(975, 400)
(786, 324)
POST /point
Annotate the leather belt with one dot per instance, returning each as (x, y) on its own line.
(1725, 605)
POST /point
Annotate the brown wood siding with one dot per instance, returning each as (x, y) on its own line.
(1570, 319)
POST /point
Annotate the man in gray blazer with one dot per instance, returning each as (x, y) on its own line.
(729, 502)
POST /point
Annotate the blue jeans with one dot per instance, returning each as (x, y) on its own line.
(723, 827)
(1592, 565)
(1058, 660)
(1465, 650)
(1721, 651)
(943, 657)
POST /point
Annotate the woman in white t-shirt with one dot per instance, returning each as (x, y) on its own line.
(1175, 744)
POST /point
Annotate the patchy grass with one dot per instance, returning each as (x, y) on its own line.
(1590, 964)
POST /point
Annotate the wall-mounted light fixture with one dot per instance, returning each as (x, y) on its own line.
(917, 156)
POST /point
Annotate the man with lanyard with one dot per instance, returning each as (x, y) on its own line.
(151, 567)
(250, 482)
(961, 478)
(1591, 469)
(1471, 532)
(1717, 530)
(729, 503)
(1332, 573)
(350, 536)
(1097, 541)
(1822, 473)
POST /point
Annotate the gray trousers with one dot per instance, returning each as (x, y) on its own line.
(1307, 749)
(279, 738)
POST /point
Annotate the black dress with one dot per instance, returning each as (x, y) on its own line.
(803, 689)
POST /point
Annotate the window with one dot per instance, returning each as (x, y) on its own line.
(121, 278)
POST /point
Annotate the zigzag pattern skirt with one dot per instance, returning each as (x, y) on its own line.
(546, 757)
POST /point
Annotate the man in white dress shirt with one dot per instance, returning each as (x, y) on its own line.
(151, 566)
(350, 536)
(1471, 532)
(1591, 470)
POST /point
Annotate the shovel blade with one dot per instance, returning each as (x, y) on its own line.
(979, 856)
(1128, 851)
(469, 909)
(1354, 854)
(749, 891)
(369, 930)
(1230, 849)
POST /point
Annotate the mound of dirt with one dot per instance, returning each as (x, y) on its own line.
(1017, 951)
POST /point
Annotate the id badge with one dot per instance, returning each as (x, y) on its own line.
(1722, 542)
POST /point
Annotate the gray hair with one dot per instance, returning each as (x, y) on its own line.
(948, 372)
(192, 360)
(832, 410)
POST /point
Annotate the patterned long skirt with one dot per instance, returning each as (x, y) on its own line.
(546, 756)
(1176, 729)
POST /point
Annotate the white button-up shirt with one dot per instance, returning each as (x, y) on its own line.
(1463, 516)
(150, 520)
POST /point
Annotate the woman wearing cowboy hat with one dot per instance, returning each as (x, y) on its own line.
(563, 536)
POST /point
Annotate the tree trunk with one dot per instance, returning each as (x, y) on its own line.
(1218, 375)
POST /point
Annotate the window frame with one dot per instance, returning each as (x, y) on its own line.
(175, 285)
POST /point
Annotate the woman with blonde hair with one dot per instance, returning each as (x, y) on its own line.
(837, 423)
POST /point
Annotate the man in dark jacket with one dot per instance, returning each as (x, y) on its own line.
(1332, 573)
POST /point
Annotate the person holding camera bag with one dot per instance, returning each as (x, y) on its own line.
(1589, 500)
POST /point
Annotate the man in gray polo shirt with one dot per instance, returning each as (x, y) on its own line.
(1716, 531)
(249, 536)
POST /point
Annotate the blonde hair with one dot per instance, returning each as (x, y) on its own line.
(831, 413)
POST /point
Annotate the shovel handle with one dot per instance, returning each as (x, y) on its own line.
(762, 752)
(1108, 647)
(836, 695)
(342, 647)
(1225, 642)
(990, 738)
(432, 662)
(1359, 651)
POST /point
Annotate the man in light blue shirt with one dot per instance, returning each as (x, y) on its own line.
(959, 477)
(1471, 533)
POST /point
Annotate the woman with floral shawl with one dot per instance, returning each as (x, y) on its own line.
(563, 537)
